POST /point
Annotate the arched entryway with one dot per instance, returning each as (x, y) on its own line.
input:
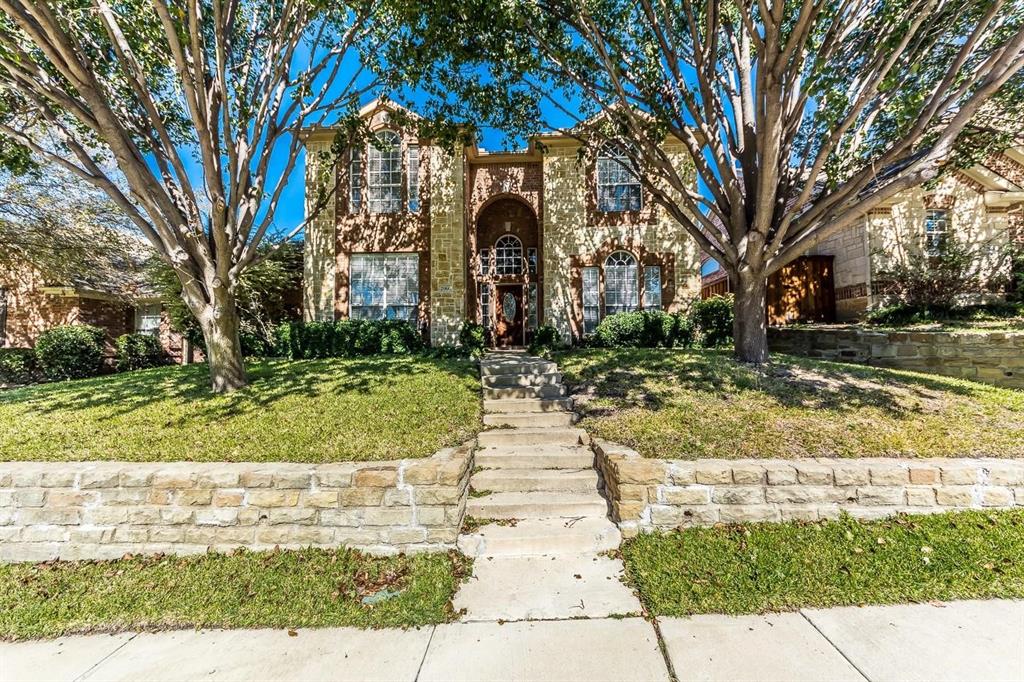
(507, 271)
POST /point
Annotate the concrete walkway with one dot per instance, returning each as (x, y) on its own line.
(956, 641)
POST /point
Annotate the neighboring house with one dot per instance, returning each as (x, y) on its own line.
(982, 207)
(511, 240)
(112, 300)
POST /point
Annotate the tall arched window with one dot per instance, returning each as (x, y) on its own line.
(618, 188)
(621, 285)
(384, 173)
(508, 255)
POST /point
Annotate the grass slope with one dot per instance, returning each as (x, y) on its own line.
(307, 588)
(300, 411)
(781, 567)
(695, 404)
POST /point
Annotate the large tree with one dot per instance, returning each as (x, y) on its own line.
(199, 105)
(799, 116)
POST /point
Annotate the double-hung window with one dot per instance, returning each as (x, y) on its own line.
(652, 287)
(384, 173)
(618, 188)
(414, 178)
(621, 284)
(385, 287)
(147, 318)
(591, 299)
(936, 227)
(355, 180)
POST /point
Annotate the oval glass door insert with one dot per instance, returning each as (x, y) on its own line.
(508, 306)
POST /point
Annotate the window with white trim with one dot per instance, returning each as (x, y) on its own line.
(618, 188)
(385, 286)
(652, 287)
(485, 305)
(508, 255)
(531, 320)
(620, 283)
(591, 299)
(414, 178)
(936, 227)
(384, 173)
(531, 259)
(147, 318)
(355, 180)
(485, 261)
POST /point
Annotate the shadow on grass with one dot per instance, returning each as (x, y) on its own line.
(270, 381)
(651, 378)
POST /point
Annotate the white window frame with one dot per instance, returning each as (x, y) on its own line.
(355, 180)
(148, 318)
(621, 283)
(531, 304)
(384, 173)
(618, 187)
(413, 170)
(652, 287)
(485, 261)
(391, 284)
(485, 305)
(508, 255)
(591, 298)
(936, 229)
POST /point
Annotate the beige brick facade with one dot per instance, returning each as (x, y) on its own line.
(318, 265)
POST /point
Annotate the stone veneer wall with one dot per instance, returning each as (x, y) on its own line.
(447, 246)
(318, 262)
(648, 494)
(993, 357)
(103, 510)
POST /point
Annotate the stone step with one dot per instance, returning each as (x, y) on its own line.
(519, 392)
(511, 380)
(549, 537)
(532, 436)
(532, 480)
(531, 419)
(536, 457)
(537, 505)
(527, 405)
(517, 366)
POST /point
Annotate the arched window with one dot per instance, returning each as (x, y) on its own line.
(384, 174)
(621, 285)
(618, 188)
(508, 255)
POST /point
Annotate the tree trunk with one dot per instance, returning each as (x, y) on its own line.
(750, 332)
(224, 357)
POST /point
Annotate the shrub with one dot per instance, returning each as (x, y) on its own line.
(346, 338)
(139, 351)
(18, 366)
(545, 340)
(712, 320)
(71, 351)
(643, 329)
(902, 314)
(472, 338)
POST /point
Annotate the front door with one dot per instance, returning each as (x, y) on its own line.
(508, 326)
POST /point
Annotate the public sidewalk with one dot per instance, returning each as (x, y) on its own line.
(971, 640)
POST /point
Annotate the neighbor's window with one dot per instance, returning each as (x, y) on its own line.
(414, 178)
(618, 188)
(652, 287)
(508, 255)
(591, 299)
(355, 181)
(147, 318)
(709, 267)
(620, 283)
(3, 317)
(936, 227)
(384, 173)
(385, 287)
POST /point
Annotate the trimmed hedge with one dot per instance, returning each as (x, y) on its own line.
(18, 366)
(71, 351)
(708, 324)
(347, 338)
(139, 351)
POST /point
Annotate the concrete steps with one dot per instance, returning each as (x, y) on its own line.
(527, 405)
(542, 537)
(537, 505)
(517, 366)
(536, 457)
(534, 480)
(518, 392)
(530, 419)
(532, 436)
(513, 380)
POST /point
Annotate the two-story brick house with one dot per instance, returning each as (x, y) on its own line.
(511, 240)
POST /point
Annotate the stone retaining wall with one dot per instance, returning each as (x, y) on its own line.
(648, 494)
(993, 357)
(99, 510)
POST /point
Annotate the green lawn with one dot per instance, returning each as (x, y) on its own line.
(783, 567)
(694, 404)
(307, 588)
(299, 411)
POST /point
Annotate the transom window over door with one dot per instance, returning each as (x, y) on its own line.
(618, 188)
(508, 255)
(385, 287)
(621, 286)
(384, 174)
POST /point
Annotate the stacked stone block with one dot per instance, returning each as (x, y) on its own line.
(648, 494)
(99, 510)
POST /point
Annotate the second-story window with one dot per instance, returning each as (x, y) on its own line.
(414, 178)
(936, 227)
(618, 188)
(355, 181)
(508, 255)
(384, 174)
